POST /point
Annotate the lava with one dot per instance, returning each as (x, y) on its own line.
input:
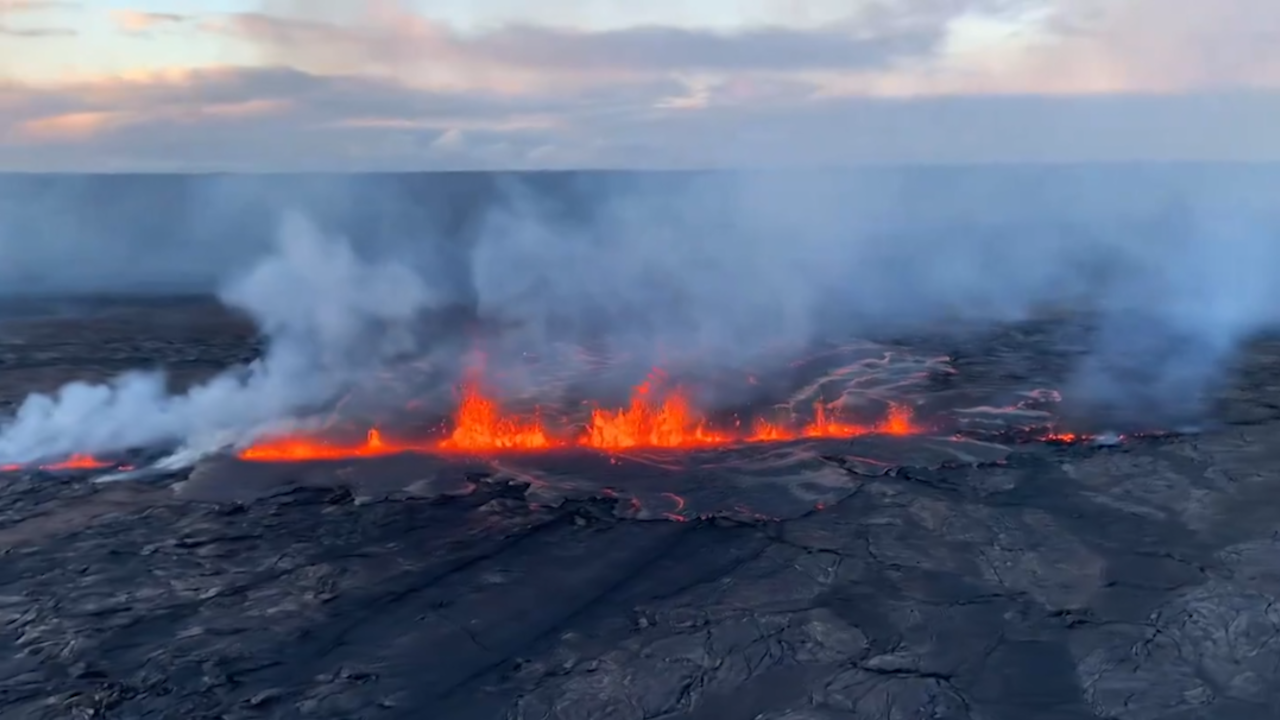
(75, 462)
(480, 425)
(656, 417)
(1065, 438)
(899, 422)
(826, 424)
(297, 448)
(649, 422)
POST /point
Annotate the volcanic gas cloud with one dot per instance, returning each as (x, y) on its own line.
(657, 416)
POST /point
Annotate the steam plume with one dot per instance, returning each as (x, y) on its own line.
(699, 273)
(329, 317)
(1174, 320)
(723, 271)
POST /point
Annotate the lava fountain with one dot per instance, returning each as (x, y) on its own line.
(653, 418)
(479, 424)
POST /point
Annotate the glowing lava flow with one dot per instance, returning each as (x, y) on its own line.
(651, 420)
(75, 462)
(300, 448)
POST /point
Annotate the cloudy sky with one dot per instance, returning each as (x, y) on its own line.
(404, 84)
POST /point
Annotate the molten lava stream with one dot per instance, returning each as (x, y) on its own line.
(75, 462)
(79, 462)
(300, 448)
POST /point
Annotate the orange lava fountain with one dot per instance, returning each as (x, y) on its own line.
(826, 425)
(652, 419)
(479, 425)
(648, 422)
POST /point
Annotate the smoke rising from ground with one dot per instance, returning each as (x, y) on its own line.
(331, 319)
(727, 271)
(694, 273)
(1172, 325)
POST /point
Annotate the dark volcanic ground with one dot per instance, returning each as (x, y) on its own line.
(1137, 582)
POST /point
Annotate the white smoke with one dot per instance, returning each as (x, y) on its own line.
(700, 274)
(723, 270)
(330, 319)
(1173, 322)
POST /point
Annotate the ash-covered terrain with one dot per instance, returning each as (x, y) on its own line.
(984, 573)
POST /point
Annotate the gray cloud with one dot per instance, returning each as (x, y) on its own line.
(287, 119)
(1080, 46)
(36, 32)
(348, 85)
(1161, 45)
(10, 9)
(666, 49)
(1232, 126)
(640, 49)
(278, 118)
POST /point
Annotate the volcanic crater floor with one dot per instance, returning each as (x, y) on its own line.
(876, 578)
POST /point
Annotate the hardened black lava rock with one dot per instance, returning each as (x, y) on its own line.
(1029, 581)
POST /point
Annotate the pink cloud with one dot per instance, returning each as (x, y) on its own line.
(68, 127)
(374, 84)
(136, 22)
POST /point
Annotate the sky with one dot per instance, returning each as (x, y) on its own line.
(299, 85)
